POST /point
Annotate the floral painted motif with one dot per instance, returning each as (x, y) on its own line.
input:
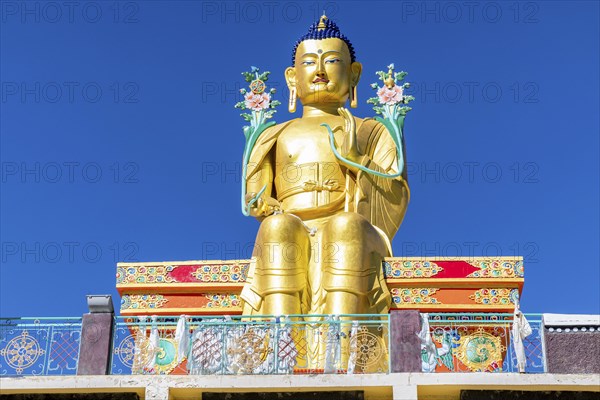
(497, 269)
(222, 300)
(414, 296)
(144, 274)
(519, 270)
(495, 296)
(410, 269)
(221, 273)
(202, 273)
(142, 301)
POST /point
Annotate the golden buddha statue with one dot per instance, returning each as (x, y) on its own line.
(326, 225)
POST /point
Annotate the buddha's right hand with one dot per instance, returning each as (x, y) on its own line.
(350, 146)
(264, 206)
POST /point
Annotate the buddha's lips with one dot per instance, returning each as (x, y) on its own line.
(318, 80)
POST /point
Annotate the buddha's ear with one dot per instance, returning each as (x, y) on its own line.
(356, 70)
(290, 77)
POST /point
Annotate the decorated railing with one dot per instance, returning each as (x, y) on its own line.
(39, 346)
(345, 344)
(471, 342)
(214, 345)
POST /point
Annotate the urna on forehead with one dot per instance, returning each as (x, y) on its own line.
(324, 29)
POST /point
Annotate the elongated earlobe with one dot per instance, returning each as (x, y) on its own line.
(353, 97)
(290, 78)
(356, 72)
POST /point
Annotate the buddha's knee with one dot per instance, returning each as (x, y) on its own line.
(347, 225)
(350, 235)
(282, 227)
(353, 253)
(282, 243)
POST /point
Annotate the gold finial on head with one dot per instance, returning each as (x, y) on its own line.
(390, 82)
(322, 25)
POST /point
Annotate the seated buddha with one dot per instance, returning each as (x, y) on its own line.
(325, 225)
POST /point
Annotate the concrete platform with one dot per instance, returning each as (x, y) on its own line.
(400, 386)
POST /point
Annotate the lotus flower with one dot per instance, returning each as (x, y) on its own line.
(257, 102)
(390, 96)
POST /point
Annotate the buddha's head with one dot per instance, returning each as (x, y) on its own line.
(324, 69)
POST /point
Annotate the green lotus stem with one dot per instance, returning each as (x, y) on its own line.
(394, 127)
(256, 129)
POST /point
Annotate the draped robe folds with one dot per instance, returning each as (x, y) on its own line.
(381, 201)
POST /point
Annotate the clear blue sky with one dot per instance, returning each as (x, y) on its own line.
(119, 140)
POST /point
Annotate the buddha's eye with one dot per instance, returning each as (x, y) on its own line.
(332, 61)
(308, 62)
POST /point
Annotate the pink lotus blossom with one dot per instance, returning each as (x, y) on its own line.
(390, 96)
(257, 102)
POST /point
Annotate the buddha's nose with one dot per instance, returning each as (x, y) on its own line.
(321, 70)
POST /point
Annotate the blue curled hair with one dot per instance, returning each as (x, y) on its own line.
(331, 31)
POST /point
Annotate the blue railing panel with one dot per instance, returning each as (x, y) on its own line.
(41, 346)
(534, 350)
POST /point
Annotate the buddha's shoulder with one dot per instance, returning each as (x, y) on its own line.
(276, 129)
(281, 125)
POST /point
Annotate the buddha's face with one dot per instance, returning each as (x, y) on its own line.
(323, 72)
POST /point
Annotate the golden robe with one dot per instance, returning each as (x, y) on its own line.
(380, 201)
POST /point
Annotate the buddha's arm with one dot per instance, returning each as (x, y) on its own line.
(262, 176)
(383, 201)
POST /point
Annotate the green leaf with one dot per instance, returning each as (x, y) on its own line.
(264, 76)
(373, 100)
(248, 76)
